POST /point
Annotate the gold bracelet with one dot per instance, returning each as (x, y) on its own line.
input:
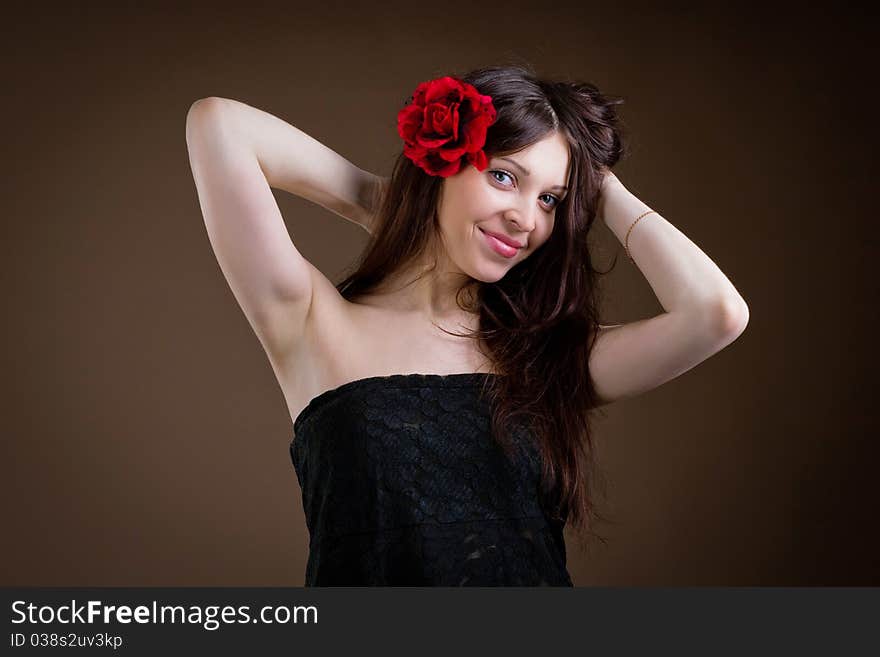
(626, 239)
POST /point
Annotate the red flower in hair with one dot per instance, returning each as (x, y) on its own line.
(445, 126)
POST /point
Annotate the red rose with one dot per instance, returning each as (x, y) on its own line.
(445, 126)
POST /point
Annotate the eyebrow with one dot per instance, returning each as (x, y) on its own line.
(526, 171)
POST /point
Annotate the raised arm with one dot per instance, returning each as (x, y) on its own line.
(237, 154)
(297, 163)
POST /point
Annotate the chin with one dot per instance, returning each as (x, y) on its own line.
(488, 274)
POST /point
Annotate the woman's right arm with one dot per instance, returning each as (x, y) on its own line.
(237, 153)
(297, 163)
(294, 161)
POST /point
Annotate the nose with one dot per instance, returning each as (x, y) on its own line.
(523, 220)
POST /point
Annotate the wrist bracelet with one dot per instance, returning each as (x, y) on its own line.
(626, 239)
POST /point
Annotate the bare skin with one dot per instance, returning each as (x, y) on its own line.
(347, 341)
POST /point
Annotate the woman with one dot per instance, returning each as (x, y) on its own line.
(429, 455)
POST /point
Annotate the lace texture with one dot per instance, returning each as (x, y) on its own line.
(403, 485)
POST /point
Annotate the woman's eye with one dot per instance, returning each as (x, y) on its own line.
(554, 202)
(502, 173)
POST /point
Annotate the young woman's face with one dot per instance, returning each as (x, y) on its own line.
(505, 200)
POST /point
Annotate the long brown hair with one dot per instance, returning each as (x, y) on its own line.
(539, 322)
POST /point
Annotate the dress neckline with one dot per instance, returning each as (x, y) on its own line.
(412, 380)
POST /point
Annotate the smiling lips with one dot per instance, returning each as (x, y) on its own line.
(500, 247)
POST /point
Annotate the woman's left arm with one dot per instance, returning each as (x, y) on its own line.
(683, 277)
(704, 311)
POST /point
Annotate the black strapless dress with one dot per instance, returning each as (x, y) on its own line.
(403, 485)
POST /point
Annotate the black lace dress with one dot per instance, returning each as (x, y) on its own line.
(403, 485)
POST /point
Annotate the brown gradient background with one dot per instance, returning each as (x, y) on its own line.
(146, 436)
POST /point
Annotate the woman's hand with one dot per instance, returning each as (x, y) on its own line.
(609, 177)
(373, 193)
(610, 183)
